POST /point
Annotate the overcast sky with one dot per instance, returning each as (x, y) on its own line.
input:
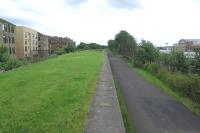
(160, 21)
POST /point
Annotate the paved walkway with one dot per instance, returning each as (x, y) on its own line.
(152, 111)
(105, 115)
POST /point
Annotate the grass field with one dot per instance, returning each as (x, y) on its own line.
(168, 90)
(51, 96)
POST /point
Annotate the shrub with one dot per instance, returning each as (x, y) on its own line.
(4, 55)
(153, 68)
(59, 51)
(138, 63)
(178, 62)
(10, 64)
(70, 48)
(187, 85)
(195, 88)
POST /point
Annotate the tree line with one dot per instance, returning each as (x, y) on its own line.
(81, 46)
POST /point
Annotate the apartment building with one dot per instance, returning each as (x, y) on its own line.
(26, 42)
(187, 45)
(43, 45)
(7, 35)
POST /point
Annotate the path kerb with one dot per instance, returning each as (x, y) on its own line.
(105, 115)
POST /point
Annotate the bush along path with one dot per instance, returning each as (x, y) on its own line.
(151, 111)
(105, 115)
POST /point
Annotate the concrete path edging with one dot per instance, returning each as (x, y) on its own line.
(105, 115)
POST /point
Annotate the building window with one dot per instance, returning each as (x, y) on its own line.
(25, 49)
(26, 42)
(13, 40)
(9, 28)
(9, 39)
(33, 36)
(26, 34)
(5, 40)
(12, 29)
(4, 27)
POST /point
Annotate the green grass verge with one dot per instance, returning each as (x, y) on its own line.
(126, 119)
(50, 96)
(168, 90)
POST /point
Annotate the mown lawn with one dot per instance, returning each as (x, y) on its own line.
(51, 96)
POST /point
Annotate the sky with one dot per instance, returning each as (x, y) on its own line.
(162, 22)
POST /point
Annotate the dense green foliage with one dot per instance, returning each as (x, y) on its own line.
(50, 96)
(59, 51)
(4, 56)
(70, 48)
(7, 62)
(123, 44)
(197, 60)
(87, 46)
(145, 53)
(67, 49)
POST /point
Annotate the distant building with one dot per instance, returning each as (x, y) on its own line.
(165, 49)
(43, 45)
(59, 42)
(26, 42)
(7, 35)
(187, 45)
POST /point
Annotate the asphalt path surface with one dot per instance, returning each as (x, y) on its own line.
(151, 110)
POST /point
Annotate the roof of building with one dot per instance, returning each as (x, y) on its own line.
(191, 40)
(24, 27)
(194, 41)
(5, 21)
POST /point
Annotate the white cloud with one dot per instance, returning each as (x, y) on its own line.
(159, 21)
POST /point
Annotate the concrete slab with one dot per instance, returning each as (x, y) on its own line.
(105, 115)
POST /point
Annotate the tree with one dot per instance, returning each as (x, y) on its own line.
(125, 43)
(70, 48)
(86, 46)
(82, 45)
(151, 53)
(111, 45)
(197, 59)
(146, 53)
(178, 61)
